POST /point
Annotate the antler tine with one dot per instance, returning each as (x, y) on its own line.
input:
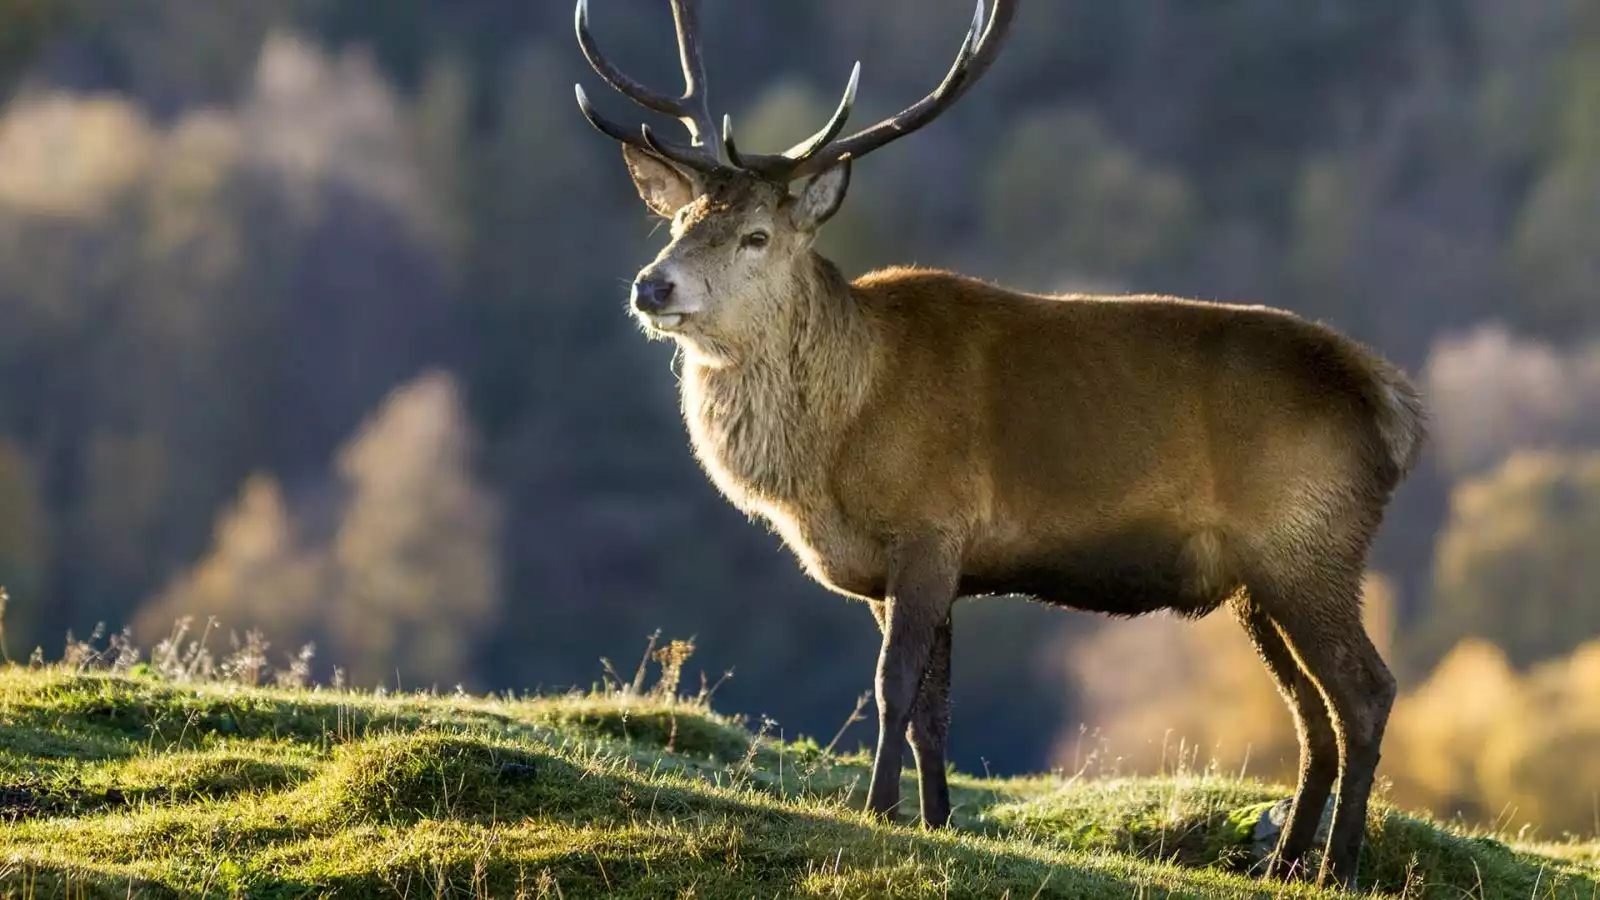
(604, 125)
(778, 166)
(816, 143)
(979, 50)
(691, 157)
(614, 76)
(694, 108)
(702, 153)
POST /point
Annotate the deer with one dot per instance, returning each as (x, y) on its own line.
(915, 436)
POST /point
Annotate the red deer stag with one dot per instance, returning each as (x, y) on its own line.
(916, 436)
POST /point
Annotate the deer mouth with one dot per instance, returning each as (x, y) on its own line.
(666, 321)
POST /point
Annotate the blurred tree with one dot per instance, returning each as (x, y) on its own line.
(1555, 250)
(24, 547)
(173, 54)
(1437, 733)
(72, 159)
(1063, 199)
(407, 579)
(358, 272)
(1518, 97)
(241, 286)
(416, 553)
(125, 479)
(1532, 760)
(257, 576)
(1482, 741)
(1516, 562)
(533, 187)
(1332, 207)
(441, 121)
(25, 26)
(1492, 393)
(72, 169)
(1384, 245)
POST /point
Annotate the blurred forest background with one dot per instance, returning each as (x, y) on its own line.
(312, 320)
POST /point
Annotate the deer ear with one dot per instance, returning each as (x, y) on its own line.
(663, 187)
(822, 197)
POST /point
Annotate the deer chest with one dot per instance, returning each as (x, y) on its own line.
(771, 462)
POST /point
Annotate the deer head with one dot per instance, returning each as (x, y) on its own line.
(741, 240)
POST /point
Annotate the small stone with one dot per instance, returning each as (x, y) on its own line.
(1275, 818)
(513, 771)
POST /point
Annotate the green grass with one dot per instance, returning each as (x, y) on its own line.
(132, 786)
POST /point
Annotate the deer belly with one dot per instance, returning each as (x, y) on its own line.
(1132, 570)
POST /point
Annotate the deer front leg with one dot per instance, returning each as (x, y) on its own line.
(930, 722)
(921, 591)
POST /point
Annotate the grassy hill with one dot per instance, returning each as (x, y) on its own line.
(134, 785)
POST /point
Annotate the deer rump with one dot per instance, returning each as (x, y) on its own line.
(1120, 455)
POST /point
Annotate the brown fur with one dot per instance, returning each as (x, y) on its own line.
(923, 401)
(919, 435)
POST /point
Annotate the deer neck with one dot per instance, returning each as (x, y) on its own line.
(767, 421)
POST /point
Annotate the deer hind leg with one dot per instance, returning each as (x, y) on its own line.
(1321, 624)
(1319, 750)
(930, 723)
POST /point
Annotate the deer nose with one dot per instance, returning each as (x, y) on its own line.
(651, 295)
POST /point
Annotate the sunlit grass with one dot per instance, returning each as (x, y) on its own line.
(119, 785)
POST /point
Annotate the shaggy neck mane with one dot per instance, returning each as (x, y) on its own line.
(766, 422)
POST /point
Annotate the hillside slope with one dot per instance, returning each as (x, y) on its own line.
(117, 786)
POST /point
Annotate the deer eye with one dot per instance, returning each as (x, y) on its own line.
(755, 240)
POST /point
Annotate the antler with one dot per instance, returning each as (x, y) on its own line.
(979, 49)
(692, 109)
